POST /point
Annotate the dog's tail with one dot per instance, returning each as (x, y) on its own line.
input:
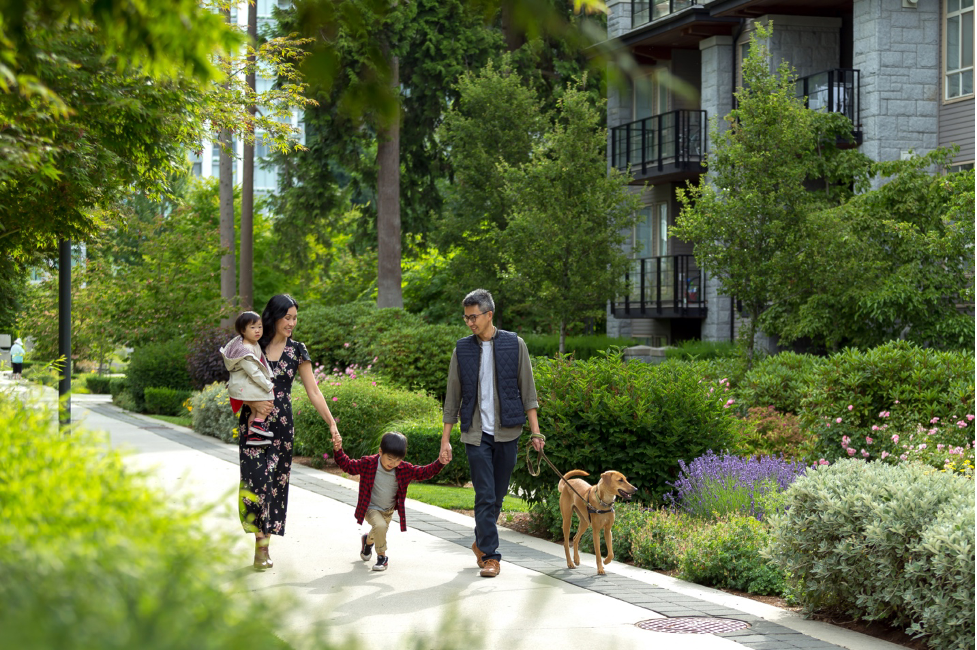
(571, 474)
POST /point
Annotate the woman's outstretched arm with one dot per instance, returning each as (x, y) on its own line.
(315, 395)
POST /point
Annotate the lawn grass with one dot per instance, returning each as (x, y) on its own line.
(182, 420)
(456, 498)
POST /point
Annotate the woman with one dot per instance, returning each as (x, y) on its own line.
(17, 358)
(265, 470)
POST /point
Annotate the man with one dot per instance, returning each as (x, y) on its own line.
(491, 390)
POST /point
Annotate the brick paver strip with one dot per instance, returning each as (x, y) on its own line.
(761, 634)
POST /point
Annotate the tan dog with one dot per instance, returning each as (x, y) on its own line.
(600, 514)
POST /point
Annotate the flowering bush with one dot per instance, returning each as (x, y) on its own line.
(211, 414)
(715, 486)
(883, 542)
(771, 433)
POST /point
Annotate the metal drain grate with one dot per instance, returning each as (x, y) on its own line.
(692, 625)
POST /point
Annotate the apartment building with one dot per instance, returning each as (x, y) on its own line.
(206, 163)
(901, 70)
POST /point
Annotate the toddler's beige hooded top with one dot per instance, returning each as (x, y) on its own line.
(250, 379)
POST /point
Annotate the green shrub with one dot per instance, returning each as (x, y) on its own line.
(727, 554)
(770, 433)
(924, 383)
(780, 381)
(580, 347)
(852, 531)
(363, 408)
(98, 384)
(340, 336)
(211, 414)
(44, 375)
(157, 365)
(635, 418)
(117, 385)
(424, 446)
(90, 557)
(702, 350)
(166, 401)
(418, 357)
(662, 539)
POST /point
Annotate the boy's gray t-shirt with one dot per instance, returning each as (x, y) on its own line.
(384, 494)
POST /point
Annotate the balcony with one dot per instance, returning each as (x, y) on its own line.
(834, 91)
(670, 286)
(646, 11)
(666, 146)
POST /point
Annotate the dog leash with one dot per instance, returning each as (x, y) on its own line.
(541, 455)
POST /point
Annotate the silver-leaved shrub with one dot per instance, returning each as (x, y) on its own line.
(882, 542)
(210, 410)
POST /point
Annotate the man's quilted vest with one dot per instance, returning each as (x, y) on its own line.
(506, 348)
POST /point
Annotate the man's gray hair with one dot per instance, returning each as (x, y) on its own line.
(481, 298)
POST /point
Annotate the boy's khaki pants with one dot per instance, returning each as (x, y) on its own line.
(379, 521)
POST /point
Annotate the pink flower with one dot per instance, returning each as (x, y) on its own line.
(829, 425)
(896, 402)
(823, 462)
(374, 383)
(931, 432)
(850, 407)
(885, 454)
(934, 420)
(345, 345)
(875, 427)
(895, 437)
(865, 454)
(375, 359)
(868, 440)
(904, 457)
(729, 403)
(961, 424)
(335, 399)
(922, 446)
(325, 456)
(851, 451)
(940, 447)
(845, 440)
(838, 420)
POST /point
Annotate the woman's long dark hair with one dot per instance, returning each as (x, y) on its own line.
(275, 310)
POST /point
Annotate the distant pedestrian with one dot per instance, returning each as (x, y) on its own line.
(384, 478)
(265, 471)
(249, 375)
(491, 389)
(17, 358)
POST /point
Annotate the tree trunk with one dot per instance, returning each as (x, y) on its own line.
(563, 336)
(247, 177)
(751, 330)
(388, 206)
(228, 275)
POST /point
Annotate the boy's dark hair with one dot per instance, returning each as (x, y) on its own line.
(245, 319)
(394, 444)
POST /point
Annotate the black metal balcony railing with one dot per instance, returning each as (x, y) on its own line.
(645, 11)
(670, 286)
(834, 91)
(674, 138)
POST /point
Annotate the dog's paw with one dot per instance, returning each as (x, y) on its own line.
(571, 565)
(608, 560)
(601, 572)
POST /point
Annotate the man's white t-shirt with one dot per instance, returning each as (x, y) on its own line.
(486, 388)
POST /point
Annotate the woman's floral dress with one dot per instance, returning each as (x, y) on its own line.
(265, 470)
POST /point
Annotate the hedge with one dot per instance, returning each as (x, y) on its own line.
(424, 446)
(881, 542)
(166, 401)
(363, 407)
(157, 365)
(98, 384)
(636, 418)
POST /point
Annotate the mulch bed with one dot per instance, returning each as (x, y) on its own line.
(522, 522)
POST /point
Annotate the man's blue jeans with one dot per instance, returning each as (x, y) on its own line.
(491, 466)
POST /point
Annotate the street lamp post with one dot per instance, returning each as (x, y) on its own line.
(64, 329)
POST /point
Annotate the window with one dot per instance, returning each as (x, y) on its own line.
(650, 96)
(959, 167)
(643, 240)
(959, 49)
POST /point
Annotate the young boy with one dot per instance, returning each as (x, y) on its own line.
(384, 478)
(250, 377)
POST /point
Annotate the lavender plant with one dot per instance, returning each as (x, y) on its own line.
(713, 486)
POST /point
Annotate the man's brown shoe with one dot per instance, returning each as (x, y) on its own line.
(478, 555)
(491, 569)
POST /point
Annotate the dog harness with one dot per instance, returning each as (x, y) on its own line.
(592, 510)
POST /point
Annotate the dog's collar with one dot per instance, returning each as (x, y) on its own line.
(591, 509)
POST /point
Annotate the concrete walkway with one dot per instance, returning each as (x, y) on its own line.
(432, 587)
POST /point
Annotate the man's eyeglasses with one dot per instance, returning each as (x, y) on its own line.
(474, 317)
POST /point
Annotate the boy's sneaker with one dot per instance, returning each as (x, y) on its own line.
(381, 564)
(366, 550)
(256, 441)
(259, 428)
